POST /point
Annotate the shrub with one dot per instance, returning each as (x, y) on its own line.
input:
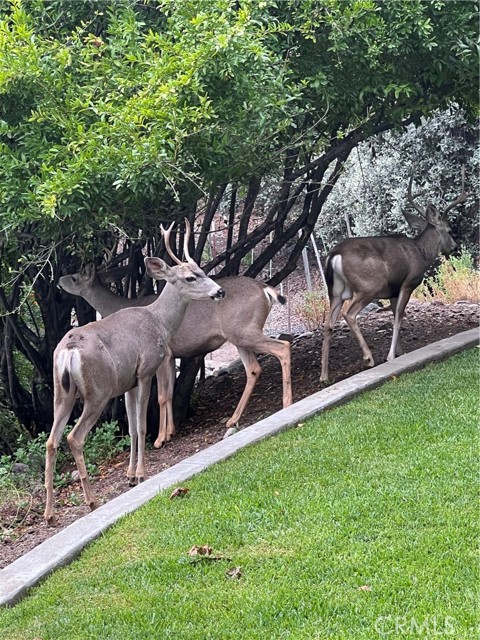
(102, 445)
(313, 310)
(456, 279)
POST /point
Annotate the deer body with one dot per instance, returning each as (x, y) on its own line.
(239, 318)
(116, 355)
(362, 269)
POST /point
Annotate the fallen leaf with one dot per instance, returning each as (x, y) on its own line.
(204, 553)
(234, 572)
(179, 492)
(365, 587)
(205, 550)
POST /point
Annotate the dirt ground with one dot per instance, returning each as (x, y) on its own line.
(22, 526)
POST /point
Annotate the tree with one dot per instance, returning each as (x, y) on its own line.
(116, 116)
(373, 188)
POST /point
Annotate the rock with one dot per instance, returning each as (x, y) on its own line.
(75, 475)
(371, 307)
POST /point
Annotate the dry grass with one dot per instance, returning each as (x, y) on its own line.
(314, 309)
(456, 279)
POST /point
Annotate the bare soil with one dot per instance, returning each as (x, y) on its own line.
(22, 526)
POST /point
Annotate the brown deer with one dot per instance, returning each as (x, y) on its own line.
(238, 318)
(362, 269)
(120, 355)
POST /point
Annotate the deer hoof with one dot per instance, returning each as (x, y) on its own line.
(132, 481)
(369, 362)
(50, 519)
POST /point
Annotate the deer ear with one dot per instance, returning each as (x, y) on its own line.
(415, 222)
(90, 271)
(158, 269)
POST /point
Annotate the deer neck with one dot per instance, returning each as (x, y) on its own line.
(170, 308)
(103, 300)
(428, 244)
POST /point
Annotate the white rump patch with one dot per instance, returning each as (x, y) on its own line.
(340, 285)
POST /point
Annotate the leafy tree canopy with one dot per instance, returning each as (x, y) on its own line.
(119, 113)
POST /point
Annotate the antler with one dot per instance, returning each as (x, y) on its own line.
(411, 198)
(462, 197)
(166, 239)
(186, 239)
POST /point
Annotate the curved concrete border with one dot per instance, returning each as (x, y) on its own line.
(18, 577)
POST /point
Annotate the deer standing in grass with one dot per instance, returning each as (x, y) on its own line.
(238, 318)
(120, 355)
(362, 269)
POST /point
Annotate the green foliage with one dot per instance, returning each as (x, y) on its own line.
(102, 444)
(313, 310)
(363, 516)
(455, 279)
(373, 188)
(111, 109)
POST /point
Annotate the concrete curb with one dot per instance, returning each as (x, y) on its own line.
(25, 572)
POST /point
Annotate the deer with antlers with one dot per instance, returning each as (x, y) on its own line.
(120, 355)
(362, 269)
(239, 318)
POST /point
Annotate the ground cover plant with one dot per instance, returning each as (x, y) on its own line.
(455, 279)
(360, 523)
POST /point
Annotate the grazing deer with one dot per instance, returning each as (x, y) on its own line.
(361, 269)
(238, 318)
(120, 355)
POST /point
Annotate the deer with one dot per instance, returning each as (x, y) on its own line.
(365, 268)
(239, 318)
(119, 355)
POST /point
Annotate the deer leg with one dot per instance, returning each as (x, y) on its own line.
(336, 304)
(143, 394)
(399, 347)
(263, 344)
(253, 371)
(398, 307)
(281, 349)
(76, 439)
(131, 407)
(165, 386)
(63, 406)
(358, 303)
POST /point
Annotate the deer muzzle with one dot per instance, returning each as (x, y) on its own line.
(219, 295)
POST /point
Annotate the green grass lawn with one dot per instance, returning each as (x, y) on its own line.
(361, 523)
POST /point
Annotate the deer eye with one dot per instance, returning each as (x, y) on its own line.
(190, 279)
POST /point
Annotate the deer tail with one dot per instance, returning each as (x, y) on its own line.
(329, 275)
(273, 295)
(66, 365)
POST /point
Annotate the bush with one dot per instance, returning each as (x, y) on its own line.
(102, 445)
(456, 279)
(313, 310)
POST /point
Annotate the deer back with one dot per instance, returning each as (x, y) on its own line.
(236, 318)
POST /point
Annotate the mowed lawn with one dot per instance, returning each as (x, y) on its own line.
(361, 523)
